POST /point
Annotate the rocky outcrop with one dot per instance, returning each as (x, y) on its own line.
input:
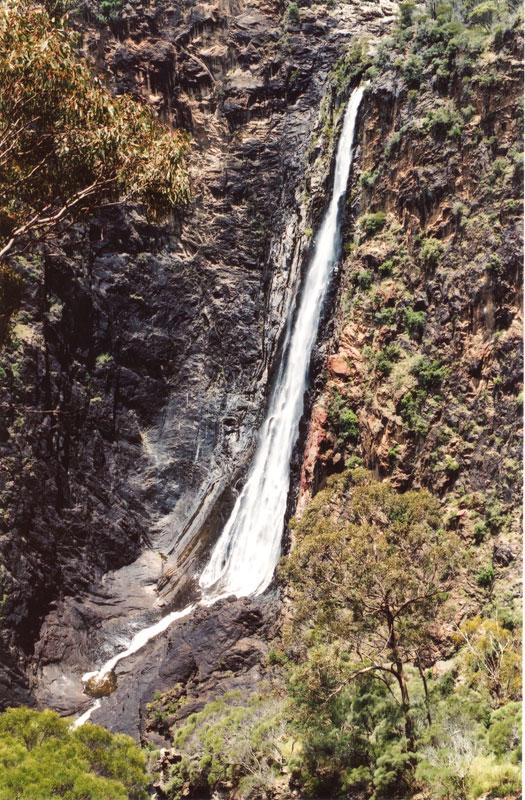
(136, 375)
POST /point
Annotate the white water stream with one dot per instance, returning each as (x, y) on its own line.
(244, 558)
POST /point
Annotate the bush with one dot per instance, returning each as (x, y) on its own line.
(292, 12)
(410, 409)
(387, 316)
(41, 758)
(386, 268)
(385, 359)
(504, 734)
(364, 279)
(488, 778)
(372, 223)
(368, 179)
(227, 742)
(431, 251)
(413, 71)
(415, 321)
(485, 577)
(484, 14)
(429, 372)
(480, 531)
(343, 420)
(443, 121)
(111, 8)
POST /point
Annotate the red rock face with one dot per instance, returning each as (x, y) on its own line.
(436, 285)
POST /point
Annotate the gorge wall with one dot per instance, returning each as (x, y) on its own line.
(137, 369)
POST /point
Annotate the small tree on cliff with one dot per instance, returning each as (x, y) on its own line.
(67, 145)
(372, 575)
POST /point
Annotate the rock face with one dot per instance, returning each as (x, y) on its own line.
(426, 352)
(136, 376)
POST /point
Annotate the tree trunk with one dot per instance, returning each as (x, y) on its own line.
(399, 672)
(425, 687)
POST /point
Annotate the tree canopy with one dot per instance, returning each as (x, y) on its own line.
(375, 576)
(41, 758)
(67, 145)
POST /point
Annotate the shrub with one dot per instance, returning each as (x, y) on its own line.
(488, 778)
(372, 223)
(292, 12)
(485, 576)
(384, 361)
(406, 13)
(103, 359)
(480, 531)
(227, 742)
(415, 321)
(490, 655)
(484, 14)
(343, 420)
(429, 372)
(392, 142)
(504, 732)
(431, 251)
(364, 279)
(386, 268)
(410, 408)
(387, 316)
(111, 8)
(451, 465)
(443, 121)
(368, 179)
(413, 70)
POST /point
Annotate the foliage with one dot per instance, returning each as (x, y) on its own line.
(41, 759)
(364, 279)
(110, 8)
(485, 577)
(431, 250)
(429, 372)
(388, 565)
(484, 14)
(348, 729)
(350, 66)
(491, 657)
(342, 419)
(372, 223)
(460, 759)
(230, 741)
(385, 359)
(410, 407)
(443, 121)
(504, 734)
(68, 145)
(292, 12)
(415, 321)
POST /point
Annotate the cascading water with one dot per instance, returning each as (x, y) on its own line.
(243, 560)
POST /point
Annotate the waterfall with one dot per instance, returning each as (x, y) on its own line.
(244, 558)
